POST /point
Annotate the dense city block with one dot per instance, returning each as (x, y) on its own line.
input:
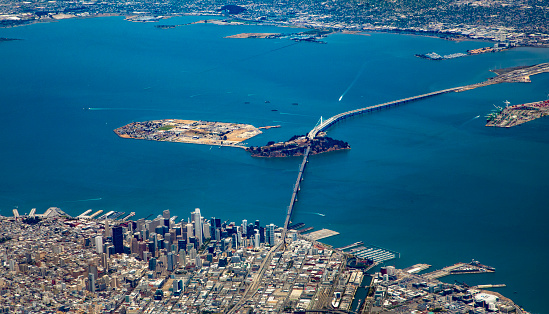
(53, 263)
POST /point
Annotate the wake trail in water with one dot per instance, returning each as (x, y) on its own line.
(145, 109)
(313, 213)
(474, 118)
(359, 74)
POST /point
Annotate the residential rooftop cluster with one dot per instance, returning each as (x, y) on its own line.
(49, 265)
(522, 22)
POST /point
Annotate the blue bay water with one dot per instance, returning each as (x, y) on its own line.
(426, 179)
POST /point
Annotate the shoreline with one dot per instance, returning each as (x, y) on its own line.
(450, 36)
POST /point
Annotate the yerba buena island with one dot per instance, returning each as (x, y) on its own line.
(439, 207)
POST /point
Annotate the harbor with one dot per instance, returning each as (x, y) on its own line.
(511, 116)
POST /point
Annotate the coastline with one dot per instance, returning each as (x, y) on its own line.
(220, 30)
(450, 36)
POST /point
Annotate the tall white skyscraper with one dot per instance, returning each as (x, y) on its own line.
(244, 226)
(182, 258)
(108, 230)
(99, 244)
(197, 225)
(257, 244)
(206, 229)
(190, 232)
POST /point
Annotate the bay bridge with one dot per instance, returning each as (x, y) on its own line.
(517, 75)
(376, 254)
(325, 124)
(521, 74)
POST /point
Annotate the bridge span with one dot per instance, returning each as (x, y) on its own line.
(344, 115)
(296, 190)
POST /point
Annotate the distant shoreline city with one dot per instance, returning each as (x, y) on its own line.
(454, 20)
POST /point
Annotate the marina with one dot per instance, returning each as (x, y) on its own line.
(372, 253)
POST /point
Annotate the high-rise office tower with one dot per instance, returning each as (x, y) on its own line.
(256, 239)
(261, 234)
(182, 258)
(91, 283)
(269, 232)
(135, 246)
(166, 214)
(190, 232)
(170, 261)
(206, 229)
(118, 239)
(152, 264)
(108, 232)
(197, 225)
(99, 244)
(244, 226)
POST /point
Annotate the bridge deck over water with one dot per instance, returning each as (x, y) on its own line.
(344, 115)
(296, 190)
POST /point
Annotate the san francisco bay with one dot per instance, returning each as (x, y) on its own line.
(426, 179)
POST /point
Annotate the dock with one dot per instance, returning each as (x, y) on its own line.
(416, 268)
(321, 234)
(128, 216)
(84, 214)
(350, 246)
(490, 286)
(97, 213)
(305, 230)
(456, 269)
(296, 226)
